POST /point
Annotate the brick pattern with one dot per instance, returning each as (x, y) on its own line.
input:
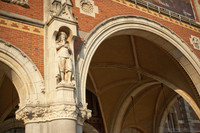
(30, 44)
(20, 26)
(112, 8)
(35, 11)
(156, 14)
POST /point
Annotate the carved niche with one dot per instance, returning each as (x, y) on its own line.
(23, 3)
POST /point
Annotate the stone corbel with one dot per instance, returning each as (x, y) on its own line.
(84, 114)
(41, 113)
(23, 3)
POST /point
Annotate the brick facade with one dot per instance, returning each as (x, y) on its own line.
(35, 9)
(36, 33)
(115, 8)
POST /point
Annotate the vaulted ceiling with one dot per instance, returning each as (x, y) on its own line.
(124, 62)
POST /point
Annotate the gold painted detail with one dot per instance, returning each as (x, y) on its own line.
(20, 26)
(156, 14)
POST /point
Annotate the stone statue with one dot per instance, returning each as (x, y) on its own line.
(64, 55)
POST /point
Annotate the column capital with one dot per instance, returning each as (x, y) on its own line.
(41, 113)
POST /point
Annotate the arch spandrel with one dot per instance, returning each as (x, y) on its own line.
(19, 68)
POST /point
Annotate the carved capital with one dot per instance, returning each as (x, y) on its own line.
(30, 114)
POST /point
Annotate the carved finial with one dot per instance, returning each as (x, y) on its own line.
(62, 9)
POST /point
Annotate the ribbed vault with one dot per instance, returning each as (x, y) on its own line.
(124, 63)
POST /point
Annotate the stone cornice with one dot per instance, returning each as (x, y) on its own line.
(20, 18)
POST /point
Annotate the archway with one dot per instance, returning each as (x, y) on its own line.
(132, 28)
(20, 69)
(21, 81)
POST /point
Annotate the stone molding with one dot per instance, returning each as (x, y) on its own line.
(42, 113)
(87, 7)
(20, 26)
(21, 19)
(25, 75)
(23, 3)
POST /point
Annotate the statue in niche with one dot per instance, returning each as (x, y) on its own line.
(64, 56)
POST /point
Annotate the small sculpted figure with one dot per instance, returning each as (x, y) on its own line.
(64, 55)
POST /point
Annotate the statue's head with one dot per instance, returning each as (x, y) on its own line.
(62, 36)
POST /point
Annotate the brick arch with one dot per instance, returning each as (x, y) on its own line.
(20, 69)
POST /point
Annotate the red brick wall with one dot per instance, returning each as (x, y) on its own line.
(35, 11)
(108, 9)
(30, 44)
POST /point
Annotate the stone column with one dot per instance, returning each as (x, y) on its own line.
(60, 111)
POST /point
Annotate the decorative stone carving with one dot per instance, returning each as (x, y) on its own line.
(62, 10)
(23, 3)
(84, 114)
(87, 7)
(65, 75)
(41, 113)
(195, 41)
